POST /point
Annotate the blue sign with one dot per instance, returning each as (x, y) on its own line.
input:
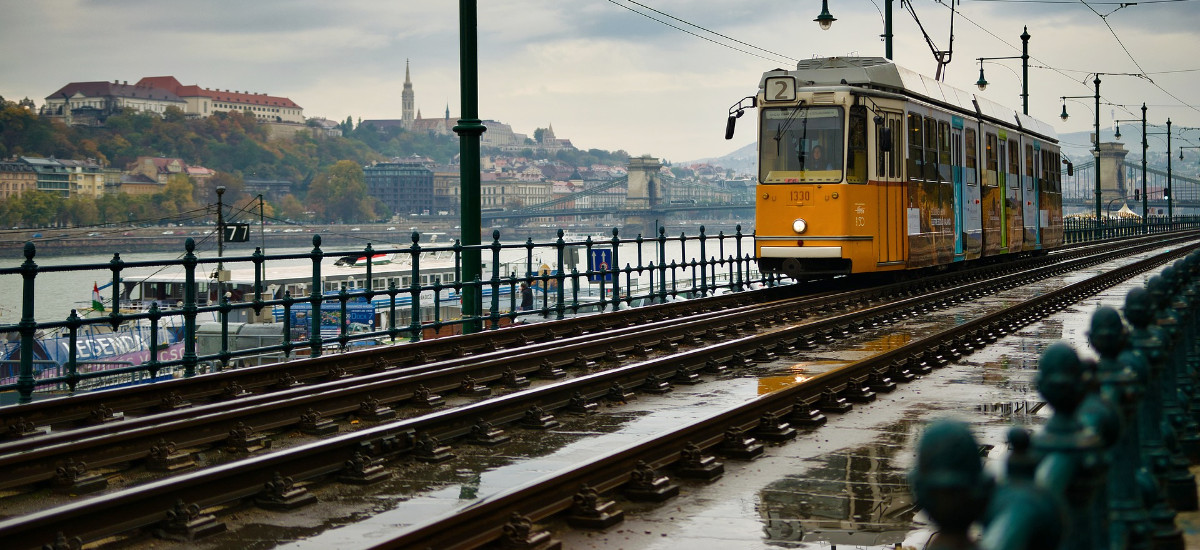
(600, 260)
(360, 317)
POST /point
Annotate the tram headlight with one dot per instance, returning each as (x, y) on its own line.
(799, 226)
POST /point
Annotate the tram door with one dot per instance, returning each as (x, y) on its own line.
(890, 198)
(1004, 213)
(1033, 233)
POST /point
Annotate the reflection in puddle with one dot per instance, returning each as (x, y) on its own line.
(854, 497)
(794, 374)
(887, 342)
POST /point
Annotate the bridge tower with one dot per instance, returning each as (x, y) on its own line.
(1112, 175)
(643, 197)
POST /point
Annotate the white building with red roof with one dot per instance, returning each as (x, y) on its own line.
(206, 101)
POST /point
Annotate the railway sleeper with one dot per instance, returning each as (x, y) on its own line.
(536, 418)
(469, 387)
(712, 366)
(647, 485)
(579, 404)
(806, 414)
(102, 414)
(371, 409)
(425, 398)
(518, 534)
(22, 428)
(655, 384)
(243, 439)
(165, 457)
(737, 445)
(618, 394)
(513, 379)
(686, 376)
(694, 464)
(281, 494)
(589, 512)
(484, 433)
(858, 392)
(427, 448)
(831, 402)
(74, 478)
(186, 523)
(880, 382)
(899, 370)
(312, 422)
(773, 428)
(548, 371)
(362, 469)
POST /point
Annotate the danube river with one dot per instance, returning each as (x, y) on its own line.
(57, 293)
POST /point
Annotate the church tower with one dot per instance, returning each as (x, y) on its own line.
(406, 99)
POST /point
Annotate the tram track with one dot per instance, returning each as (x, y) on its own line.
(102, 407)
(163, 441)
(244, 478)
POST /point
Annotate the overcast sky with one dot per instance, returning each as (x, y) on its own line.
(603, 75)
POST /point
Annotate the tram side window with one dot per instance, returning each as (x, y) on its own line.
(1014, 160)
(944, 142)
(992, 146)
(931, 149)
(894, 162)
(1056, 162)
(1029, 166)
(972, 153)
(916, 151)
(856, 164)
(956, 146)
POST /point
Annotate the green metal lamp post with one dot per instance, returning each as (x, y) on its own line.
(825, 20)
(469, 130)
(1024, 57)
(1145, 146)
(1096, 145)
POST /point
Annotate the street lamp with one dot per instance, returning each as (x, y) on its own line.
(1096, 143)
(1024, 57)
(1145, 146)
(825, 20)
(1167, 191)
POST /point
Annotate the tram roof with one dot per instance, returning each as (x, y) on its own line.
(882, 73)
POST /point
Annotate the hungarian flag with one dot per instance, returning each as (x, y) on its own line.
(97, 303)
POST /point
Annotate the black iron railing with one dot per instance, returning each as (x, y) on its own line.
(191, 321)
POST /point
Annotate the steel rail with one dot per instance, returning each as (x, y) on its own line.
(146, 504)
(484, 521)
(22, 420)
(32, 460)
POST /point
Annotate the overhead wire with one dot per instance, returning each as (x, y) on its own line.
(681, 29)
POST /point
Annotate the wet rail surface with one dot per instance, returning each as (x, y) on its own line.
(413, 437)
(27, 420)
(162, 442)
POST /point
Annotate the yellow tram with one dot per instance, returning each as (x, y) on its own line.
(865, 166)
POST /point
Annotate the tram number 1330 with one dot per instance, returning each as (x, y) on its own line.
(799, 197)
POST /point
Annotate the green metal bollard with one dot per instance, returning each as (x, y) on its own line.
(1180, 484)
(28, 326)
(1122, 382)
(1072, 451)
(1156, 460)
(1022, 515)
(948, 482)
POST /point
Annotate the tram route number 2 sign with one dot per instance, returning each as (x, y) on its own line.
(599, 264)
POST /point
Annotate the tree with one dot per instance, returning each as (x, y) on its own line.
(340, 194)
(538, 133)
(289, 207)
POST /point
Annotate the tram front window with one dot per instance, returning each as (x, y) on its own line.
(802, 145)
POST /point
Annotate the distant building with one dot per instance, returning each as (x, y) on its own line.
(16, 178)
(86, 177)
(52, 176)
(138, 184)
(272, 190)
(404, 187)
(89, 103)
(407, 99)
(203, 102)
(447, 182)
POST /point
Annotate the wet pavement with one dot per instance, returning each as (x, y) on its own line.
(843, 484)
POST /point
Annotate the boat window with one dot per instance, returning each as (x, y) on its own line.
(379, 284)
(801, 144)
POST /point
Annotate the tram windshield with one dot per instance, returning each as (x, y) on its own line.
(803, 144)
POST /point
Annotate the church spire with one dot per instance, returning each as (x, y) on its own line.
(406, 99)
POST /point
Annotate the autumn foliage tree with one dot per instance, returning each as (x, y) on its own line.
(340, 194)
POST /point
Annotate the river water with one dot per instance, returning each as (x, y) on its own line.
(55, 294)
